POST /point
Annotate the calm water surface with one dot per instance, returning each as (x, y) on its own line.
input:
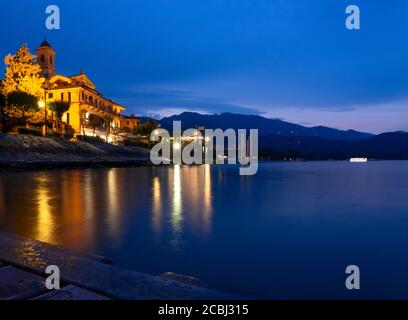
(288, 232)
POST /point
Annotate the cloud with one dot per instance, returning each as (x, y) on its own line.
(162, 101)
(235, 93)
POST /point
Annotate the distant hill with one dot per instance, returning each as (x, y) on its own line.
(384, 146)
(281, 140)
(266, 126)
(145, 119)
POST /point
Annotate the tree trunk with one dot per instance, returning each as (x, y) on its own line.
(3, 120)
(25, 120)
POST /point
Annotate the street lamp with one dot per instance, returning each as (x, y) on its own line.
(44, 103)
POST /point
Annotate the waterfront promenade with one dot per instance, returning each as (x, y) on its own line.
(83, 277)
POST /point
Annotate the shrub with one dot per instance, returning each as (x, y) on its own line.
(29, 131)
(55, 134)
(136, 143)
(90, 139)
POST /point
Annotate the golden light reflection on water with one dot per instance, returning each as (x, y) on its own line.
(176, 211)
(157, 205)
(45, 220)
(207, 208)
(190, 191)
(113, 204)
(81, 209)
(177, 199)
(72, 199)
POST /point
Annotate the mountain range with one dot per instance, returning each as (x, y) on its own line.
(281, 140)
(265, 126)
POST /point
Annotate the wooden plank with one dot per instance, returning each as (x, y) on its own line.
(71, 292)
(16, 284)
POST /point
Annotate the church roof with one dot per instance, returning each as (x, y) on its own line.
(83, 78)
(45, 43)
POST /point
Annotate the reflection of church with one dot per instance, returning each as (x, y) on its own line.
(80, 91)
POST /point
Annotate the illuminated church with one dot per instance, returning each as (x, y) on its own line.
(82, 95)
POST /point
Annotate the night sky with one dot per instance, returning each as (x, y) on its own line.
(287, 59)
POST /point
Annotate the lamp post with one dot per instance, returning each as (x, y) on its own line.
(44, 104)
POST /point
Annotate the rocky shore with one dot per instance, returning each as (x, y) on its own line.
(30, 152)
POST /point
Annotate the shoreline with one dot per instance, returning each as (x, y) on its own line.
(55, 165)
(31, 153)
(24, 152)
(45, 165)
(87, 277)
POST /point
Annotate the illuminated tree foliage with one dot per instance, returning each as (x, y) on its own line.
(22, 73)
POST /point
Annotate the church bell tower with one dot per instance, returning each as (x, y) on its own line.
(46, 59)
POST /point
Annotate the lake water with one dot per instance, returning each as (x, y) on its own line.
(287, 232)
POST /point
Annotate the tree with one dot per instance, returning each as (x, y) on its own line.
(145, 129)
(95, 122)
(59, 108)
(2, 111)
(107, 119)
(82, 120)
(22, 73)
(21, 105)
(2, 100)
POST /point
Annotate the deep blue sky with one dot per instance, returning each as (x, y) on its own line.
(287, 59)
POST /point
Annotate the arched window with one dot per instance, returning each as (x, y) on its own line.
(42, 58)
(51, 60)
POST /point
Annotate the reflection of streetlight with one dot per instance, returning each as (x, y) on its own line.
(177, 145)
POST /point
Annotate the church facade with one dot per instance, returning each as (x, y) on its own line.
(83, 97)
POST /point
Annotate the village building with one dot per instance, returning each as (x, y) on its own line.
(128, 123)
(84, 100)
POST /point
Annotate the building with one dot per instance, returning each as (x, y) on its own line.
(128, 123)
(83, 97)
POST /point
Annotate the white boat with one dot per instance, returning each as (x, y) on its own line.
(358, 160)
